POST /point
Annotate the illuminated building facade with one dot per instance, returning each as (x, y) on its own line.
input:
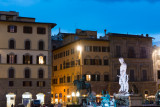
(25, 63)
(83, 54)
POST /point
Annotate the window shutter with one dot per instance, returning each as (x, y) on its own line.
(8, 28)
(23, 59)
(37, 59)
(15, 28)
(90, 48)
(30, 59)
(7, 59)
(44, 59)
(44, 84)
(15, 59)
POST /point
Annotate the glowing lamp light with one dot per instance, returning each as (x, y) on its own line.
(79, 48)
(41, 60)
(77, 94)
(73, 94)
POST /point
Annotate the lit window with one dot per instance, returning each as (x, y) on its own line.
(88, 77)
(41, 60)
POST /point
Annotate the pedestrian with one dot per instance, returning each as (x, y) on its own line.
(12, 105)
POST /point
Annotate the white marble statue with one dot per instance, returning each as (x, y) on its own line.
(123, 77)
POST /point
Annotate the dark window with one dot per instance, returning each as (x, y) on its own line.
(11, 83)
(27, 45)
(106, 77)
(88, 48)
(12, 29)
(72, 63)
(40, 73)
(67, 64)
(158, 74)
(11, 73)
(143, 53)
(27, 29)
(78, 77)
(27, 59)
(87, 61)
(41, 30)
(96, 49)
(144, 75)
(64, 79)
(131, 52)
(27, 83)
(54, 81)
(118, 51)
(105, 49)
(131, 76)
(105, 62)
(40, 83)
(60, 66)
(27, 73)
(68, 79)
(41, 45)
(95, 77)
(11, 44)
(54, 68)
(61, 80)
(64, 65)
(11, 59)
(72, 51)
(67, 53)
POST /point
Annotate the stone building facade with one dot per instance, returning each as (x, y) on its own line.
(99, 63)
(25, 60)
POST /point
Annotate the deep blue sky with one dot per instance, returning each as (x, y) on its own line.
(117, 16)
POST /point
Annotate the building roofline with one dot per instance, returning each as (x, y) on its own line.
(52, 24)
(87, 39)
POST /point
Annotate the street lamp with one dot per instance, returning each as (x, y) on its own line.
(73, 95)
(79, 48)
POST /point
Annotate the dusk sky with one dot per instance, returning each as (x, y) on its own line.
(117, 16)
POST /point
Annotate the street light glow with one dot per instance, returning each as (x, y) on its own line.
(77, 94)
(79, 48)
(73, 94)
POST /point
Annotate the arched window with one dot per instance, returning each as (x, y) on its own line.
(27, 45)
(11, 73)
(40, 73)
(41, 45)
(27, 73)
(11, 44)
(27, 59)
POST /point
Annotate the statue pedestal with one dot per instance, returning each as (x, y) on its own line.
(135, 100)
(122, 99)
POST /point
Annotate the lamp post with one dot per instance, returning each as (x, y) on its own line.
(73, 95)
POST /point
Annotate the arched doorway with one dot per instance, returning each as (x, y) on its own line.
(10, 99)
(40, 97)
(26, 99)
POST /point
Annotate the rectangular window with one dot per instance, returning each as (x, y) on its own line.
(131, 76)
(61, 80)
(68, 79)
(27, 83)
(118, 51)
(41, 59)
(88, 77)
(55, 68)
(41, 30)
(40, 83)
(144, 75)
(96, 49)
(12, 29)
(104, 49)
(87, 62)
(105, 62)
(78, 77)
(11, 83)
(88, 48)
(27, 29)
(72, 63)
(131, 52)
(143, 53)
(54, 81)
(158, 74)
(67, 65)
(11, 59)
(72, 51)
(27, 59)
(64, 65)
(60, 66)
(106, 77)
